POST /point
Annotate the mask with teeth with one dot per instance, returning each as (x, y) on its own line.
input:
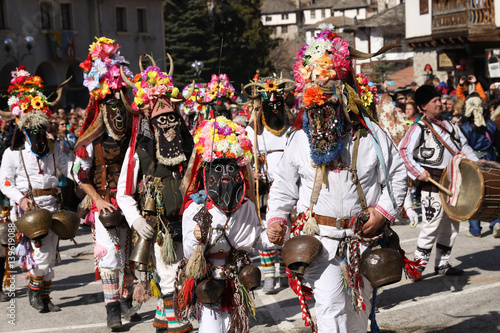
(114, 114)
(224, 183)
(168, 139)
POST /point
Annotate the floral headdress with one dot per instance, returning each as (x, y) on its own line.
(151, 84)
(102, 68)
(191, 106)
(219, 86)
(367, 91)
(222, 138)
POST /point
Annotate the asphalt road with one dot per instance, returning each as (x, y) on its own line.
(436, 304)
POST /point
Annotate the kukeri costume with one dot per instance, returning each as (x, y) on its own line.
(267, 131)
(217, 202)
(100, 151)
(153, 168)
(422, 150)
(29, 173)
(340, 170)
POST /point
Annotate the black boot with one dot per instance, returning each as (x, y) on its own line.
(125, 306)
(48, 306)
(35, 299)
(114, 316)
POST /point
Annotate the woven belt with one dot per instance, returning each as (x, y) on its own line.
(218, 255)
(39, 192)
(330, 221)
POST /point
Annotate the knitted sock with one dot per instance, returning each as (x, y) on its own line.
(282, 266)
(443, 254)
(110, 285)
(165, 317)
(46, 289)
(267, 262)
(36, 282)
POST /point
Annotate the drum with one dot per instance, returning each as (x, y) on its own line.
(479, 197)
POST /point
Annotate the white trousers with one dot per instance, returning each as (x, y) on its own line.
(334, 311)
(167, 273)
(437, 228)
(45, 256)
(111, 260)
(212, 320)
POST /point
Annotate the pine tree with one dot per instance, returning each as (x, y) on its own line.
(189, 37)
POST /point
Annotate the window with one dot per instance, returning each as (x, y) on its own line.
(284, 29)
(46, 15)
(3, 23)
(313, 14)
(268, 18)
(142, 23)
(67, 23)
(284, 16)
(121, 19)
(323, 13)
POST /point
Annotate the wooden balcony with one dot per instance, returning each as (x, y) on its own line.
(456, 16)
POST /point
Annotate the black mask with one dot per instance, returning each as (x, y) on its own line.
(114, 114)
(37, 138)
(220, 108)
(168, 138)
(273, 115)
(224, 183)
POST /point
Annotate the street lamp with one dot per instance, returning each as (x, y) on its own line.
(197, 66)
(13, 44)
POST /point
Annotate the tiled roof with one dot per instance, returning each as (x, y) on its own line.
(277, 6)
(389, 17)
(337, 21)
(348, 4)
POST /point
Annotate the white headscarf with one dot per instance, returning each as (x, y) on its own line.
(474, 106)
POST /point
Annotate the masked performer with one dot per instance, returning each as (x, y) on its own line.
(154, 168)
(345, 177)
(271, 120)
(220, 227)
(29, 180)
(100, 151)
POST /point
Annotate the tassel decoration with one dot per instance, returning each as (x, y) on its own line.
(311, 225)
(239, 318)
(141, 294)
(167, 250)
(155, 289)
(197, 265)
(411, 266)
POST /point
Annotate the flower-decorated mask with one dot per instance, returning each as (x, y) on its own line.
(224, 183)
(114, 114)
(168, 139)
(37, 138)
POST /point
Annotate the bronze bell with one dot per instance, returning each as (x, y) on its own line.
(65, 224)
(209, 291)
(81, 211)
(392, 239)
(300, 251)
(35, 224)
(149, 204)
(141, 252)
(4, 232)
(382, 266)
(110, 220)
(250, 277)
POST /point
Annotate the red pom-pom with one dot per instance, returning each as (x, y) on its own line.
(82, 152)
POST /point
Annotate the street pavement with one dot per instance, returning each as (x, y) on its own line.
(467, 303)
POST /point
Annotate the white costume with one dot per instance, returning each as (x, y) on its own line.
(293, 184)
(243, 231)
(42, 175)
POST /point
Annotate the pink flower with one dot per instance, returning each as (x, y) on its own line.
(208, 155)
(243, 160)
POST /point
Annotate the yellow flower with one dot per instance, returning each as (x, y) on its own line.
(37, 103)
(24, 106)
(105, 40)
(232, 139)
(140, 92)
(175, 92)
(271, 86)
(138, 100)
(92, 46)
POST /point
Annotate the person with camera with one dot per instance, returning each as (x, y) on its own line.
(464, 89)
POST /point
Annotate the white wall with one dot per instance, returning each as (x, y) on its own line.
(497, 12)
(307, 15)
(418, 25)
(276, 19)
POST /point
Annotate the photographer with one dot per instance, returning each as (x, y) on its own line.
(463, 87)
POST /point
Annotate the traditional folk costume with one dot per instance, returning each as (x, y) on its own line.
(218, 203)
(424, 149)
(29, 173)
(100, 151)
(267, 131)
(338, 169)
(153, 168)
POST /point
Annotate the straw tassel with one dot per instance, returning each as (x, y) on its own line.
(197, 265)
(167, 250)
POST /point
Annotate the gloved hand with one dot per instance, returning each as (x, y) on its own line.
(413, 216)
(143, 228)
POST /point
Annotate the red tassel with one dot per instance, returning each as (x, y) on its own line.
(186, 294)
(226, 302)
(82, 152)
(97, 276)
(293, 283)
(130, 165)
(410, 266)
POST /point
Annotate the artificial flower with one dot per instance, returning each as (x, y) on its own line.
(314, 95)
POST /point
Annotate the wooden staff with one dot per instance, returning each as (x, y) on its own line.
(256, 163)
